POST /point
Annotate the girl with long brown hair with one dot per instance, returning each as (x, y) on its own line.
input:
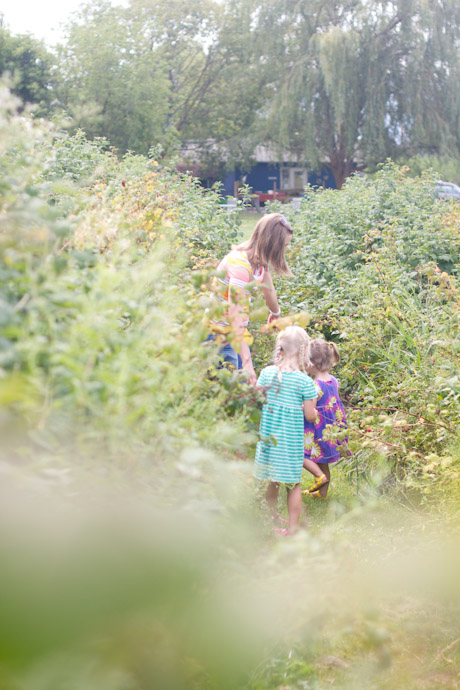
(251, 261)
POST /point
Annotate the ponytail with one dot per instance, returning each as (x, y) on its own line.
(323, 355)
(334, 354)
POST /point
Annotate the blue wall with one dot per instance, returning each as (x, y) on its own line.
(263, 176)
(260, 178)
(318, 178)
(228, 183)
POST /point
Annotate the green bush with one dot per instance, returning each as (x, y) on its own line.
(377, 267)
(101, 345)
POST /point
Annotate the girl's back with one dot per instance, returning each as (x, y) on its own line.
(287, 392)
(327, 390)
(331, 413)
(290, 392)
(279, 454)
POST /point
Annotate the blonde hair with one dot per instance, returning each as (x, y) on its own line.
(291, 342)
(323, 355)
(267, 243)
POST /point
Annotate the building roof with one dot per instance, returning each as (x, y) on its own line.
(265, 154)
(261, 153)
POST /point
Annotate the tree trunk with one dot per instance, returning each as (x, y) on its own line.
(341, 169)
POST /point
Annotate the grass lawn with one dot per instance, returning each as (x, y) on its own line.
(249, 220)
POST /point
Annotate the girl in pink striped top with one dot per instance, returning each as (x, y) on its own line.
(250, 262)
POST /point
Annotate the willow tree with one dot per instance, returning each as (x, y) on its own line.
(350, 83)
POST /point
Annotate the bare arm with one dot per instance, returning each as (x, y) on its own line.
(237, 316)
(247, 362)
(309, 409)
(269, 293)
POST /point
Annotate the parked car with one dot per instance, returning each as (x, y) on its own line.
(447, 190)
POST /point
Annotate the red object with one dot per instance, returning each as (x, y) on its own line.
(270, 196)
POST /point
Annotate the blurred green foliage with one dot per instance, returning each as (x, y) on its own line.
(446, 167)
(99, 338)
(134, 554)
(28, 64)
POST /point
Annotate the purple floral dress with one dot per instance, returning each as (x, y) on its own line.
(330, 412)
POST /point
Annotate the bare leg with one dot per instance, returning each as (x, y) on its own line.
(294, 503)
(317, 469)
(271, 496)
(312, 467)
(324, 467)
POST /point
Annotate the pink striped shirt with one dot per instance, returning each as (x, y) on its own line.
(239, 273)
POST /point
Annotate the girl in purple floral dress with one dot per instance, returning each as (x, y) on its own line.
(321, 442)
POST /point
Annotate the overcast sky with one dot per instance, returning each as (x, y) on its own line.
(41, 18)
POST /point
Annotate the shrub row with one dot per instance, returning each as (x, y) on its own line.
(377, 266)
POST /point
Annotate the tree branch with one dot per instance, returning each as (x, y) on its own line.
(389, 27)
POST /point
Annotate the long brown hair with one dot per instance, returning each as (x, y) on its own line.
(267, 243)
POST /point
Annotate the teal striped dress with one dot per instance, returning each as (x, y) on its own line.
(281, 460)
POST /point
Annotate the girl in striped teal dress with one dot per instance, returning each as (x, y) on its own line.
(291, 394)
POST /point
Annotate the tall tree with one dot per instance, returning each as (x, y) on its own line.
(221, 121)
(30, 67)
(157, 72)
(352, 82)
(113, 83)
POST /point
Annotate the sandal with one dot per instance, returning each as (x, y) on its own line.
(317, 484)
(283, 531)
(316, 494)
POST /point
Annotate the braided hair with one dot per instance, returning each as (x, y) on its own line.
(293, 341)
